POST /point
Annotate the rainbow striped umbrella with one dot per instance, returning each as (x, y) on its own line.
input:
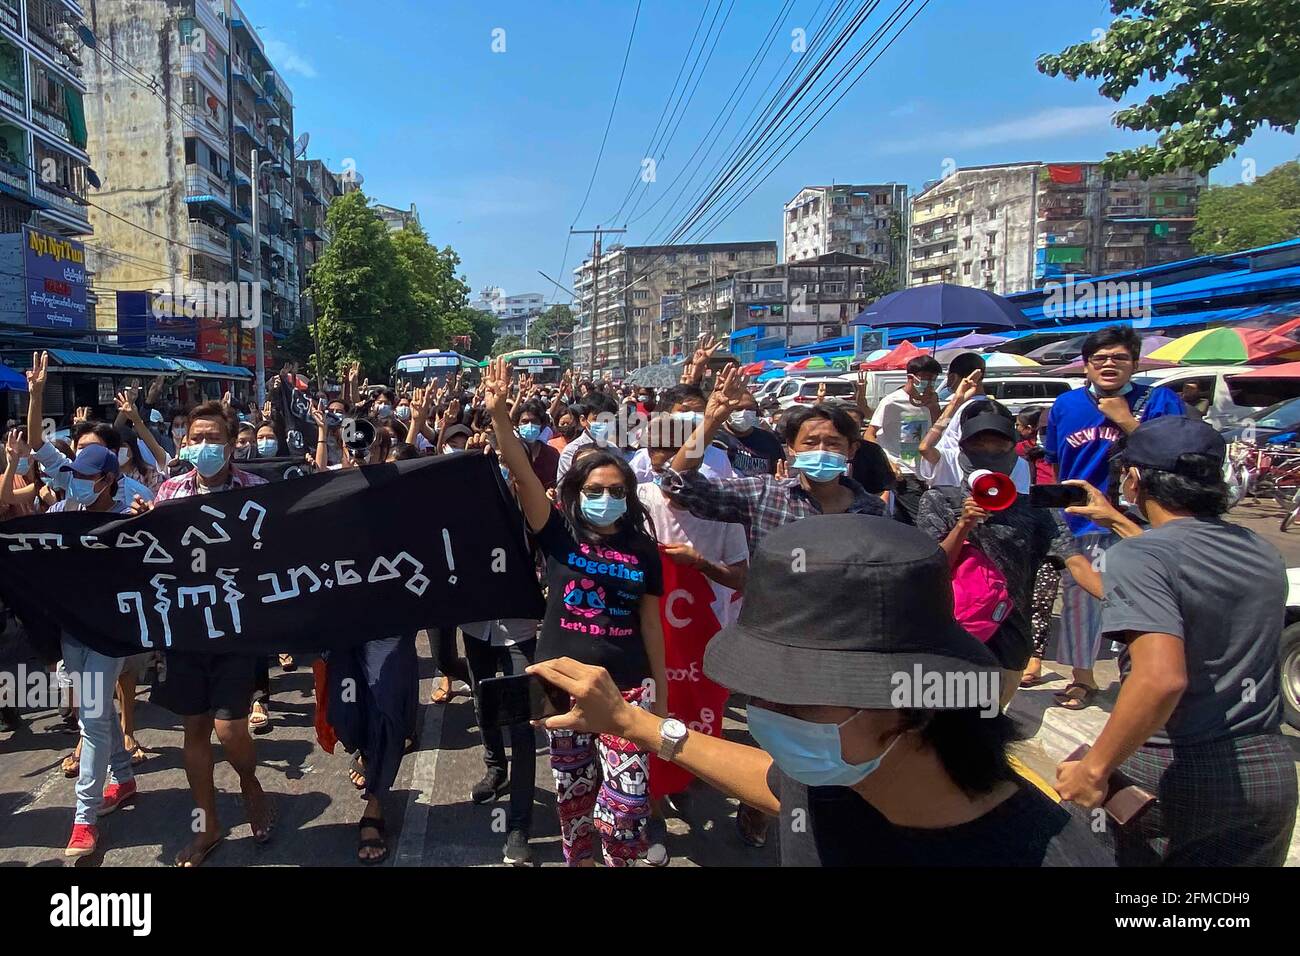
(1009, 360)
(1224, 346)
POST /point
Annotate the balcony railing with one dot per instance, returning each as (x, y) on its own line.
(208, 237)
(199, 116)
(14, 173)
(13, 101)
(45, 117)
(9, 16)
(198, 63)
(201, 181)
(62, 198)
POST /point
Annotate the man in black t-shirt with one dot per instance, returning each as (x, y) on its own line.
(877, 716)
(753, 449)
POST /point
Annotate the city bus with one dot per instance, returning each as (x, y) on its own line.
(432, 365)
(545, 367)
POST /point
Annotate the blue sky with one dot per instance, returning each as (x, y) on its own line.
(496, 149)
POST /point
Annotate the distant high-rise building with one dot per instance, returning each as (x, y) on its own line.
(640, 308)
(860, 220)
(1013, 227)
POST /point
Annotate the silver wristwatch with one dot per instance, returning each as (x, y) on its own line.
(672, 733)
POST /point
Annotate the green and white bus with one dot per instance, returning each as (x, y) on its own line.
(433, 366)
(546, 368)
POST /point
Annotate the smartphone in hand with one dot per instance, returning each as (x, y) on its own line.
(514, 700)
(1057, 496)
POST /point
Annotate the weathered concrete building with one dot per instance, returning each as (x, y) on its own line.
(1018, 226)
(640, 312)
(860, 220)
(178, 157)
(316, 188)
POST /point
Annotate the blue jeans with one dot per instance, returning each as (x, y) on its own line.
(103, 752)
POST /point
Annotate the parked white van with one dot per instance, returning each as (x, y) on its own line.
(1223, 401)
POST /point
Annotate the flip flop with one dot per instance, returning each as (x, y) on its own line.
(259, 723)
(357, 768)
(1031, 680)
(197, 859)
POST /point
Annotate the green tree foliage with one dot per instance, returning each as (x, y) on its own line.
(1225, 67)
(542, 333)
(507, 343)
(380, 294)
(1258, 213)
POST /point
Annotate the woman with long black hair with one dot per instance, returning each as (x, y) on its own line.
(604, 580)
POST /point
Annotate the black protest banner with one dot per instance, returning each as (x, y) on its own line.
(291, 414)
(324, 561)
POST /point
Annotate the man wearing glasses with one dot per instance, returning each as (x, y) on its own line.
(1083, 429)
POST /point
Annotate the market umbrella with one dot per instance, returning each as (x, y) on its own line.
(769, 375)
(942, 305)
(1009, 360)
(896, 359)
(975, 340)
(816, 362)
(656, 376)
(1057, 351)
(1149, 345)
(1224, 346)
(11, 380)
(758, 368)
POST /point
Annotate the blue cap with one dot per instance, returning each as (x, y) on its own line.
(93, 460)
(1162, 442)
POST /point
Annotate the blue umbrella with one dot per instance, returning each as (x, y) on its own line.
(11, 380)
(942, 305)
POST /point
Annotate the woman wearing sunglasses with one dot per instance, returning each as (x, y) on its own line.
(604, 580)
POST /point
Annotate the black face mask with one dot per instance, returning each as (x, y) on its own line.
(983, 461)
(568, 431)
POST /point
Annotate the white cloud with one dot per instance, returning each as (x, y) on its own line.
(1047, 124)
(286, 59)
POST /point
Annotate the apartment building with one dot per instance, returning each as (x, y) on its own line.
(796, 303)
(181, 157)
(397, 219)
(1018, 226)
(860, 220)
(635, 294)
(316, 187)
(514, 313)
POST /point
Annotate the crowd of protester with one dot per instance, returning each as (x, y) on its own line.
(825, 549)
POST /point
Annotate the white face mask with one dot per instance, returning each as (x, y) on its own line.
(743, 419)
(123, 456)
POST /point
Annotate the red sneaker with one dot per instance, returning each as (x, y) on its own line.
(83, 840)
(116, 794)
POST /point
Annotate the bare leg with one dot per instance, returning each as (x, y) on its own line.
(237, 744)
(198, 771)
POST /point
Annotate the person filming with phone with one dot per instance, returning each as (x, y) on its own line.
(1198, 605)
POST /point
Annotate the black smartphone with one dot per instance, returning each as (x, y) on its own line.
(513, 700)
(1057, 496)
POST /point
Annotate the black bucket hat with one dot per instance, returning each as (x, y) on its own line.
(836, 607)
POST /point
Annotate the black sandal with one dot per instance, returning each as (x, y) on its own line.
(1067, 702)
(371, 843)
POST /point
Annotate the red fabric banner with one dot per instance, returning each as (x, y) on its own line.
(1067, 175)
(689, 623)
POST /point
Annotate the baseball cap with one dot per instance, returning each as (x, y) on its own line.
(1162, 443)
(455, 430)
(986, 419)
(93, 460)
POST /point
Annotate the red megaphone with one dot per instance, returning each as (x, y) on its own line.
(992, 490)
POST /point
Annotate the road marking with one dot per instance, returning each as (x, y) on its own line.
(34, 796)
(410, 845)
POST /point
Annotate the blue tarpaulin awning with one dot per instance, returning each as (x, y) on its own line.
(11, 380)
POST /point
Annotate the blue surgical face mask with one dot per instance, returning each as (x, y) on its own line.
(383, 410)
(923, 385)
(82, 490)
(24, 466)
(602, 511)
(208, 458)
(404, 412)
(530, 431)
(809, 752)
(1096, 392)
(599, 431)
(821, 465)
(266, 447)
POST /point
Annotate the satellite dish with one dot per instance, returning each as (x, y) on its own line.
(92, 177)
(87, 37)
(300, 144)
(358, 179)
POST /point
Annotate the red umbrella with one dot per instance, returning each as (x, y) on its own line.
(897, 359)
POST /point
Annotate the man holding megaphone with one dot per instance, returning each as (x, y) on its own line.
(994, 540)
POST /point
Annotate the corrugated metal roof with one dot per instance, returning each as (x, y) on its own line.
(110, 360)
